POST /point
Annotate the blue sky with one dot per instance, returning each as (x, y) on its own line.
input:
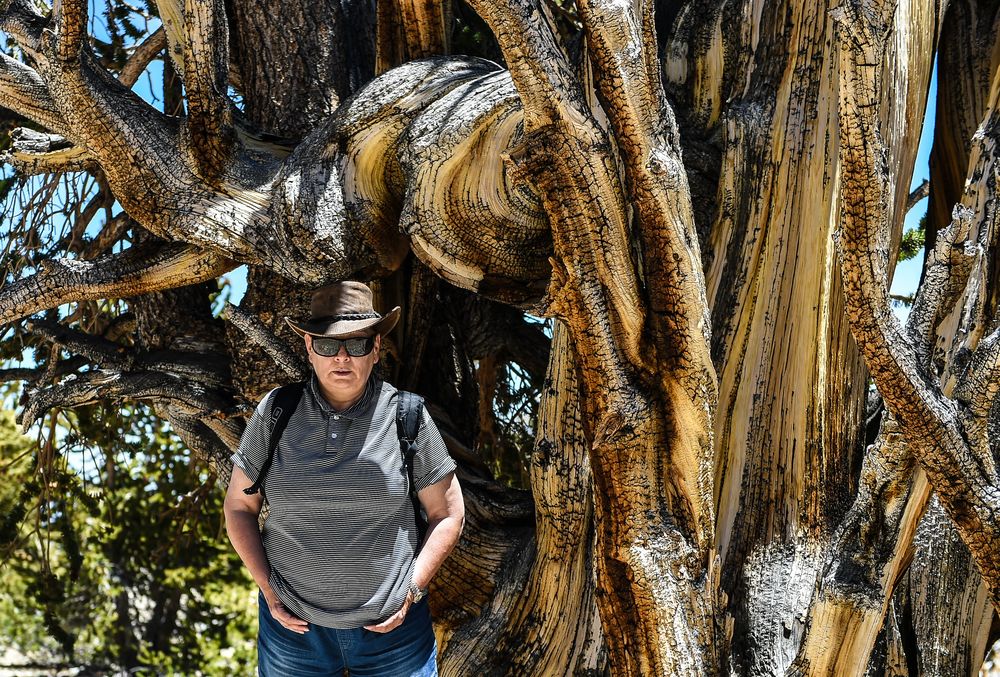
(907, 275)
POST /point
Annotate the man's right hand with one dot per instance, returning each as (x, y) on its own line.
(284, 616)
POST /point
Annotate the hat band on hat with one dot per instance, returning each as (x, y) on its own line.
(342, 318)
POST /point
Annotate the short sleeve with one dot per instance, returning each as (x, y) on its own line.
(431, 463)
(252, 453)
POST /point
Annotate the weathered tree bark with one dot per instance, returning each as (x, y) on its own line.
(951, 610)
(706, 196)
(945, 435)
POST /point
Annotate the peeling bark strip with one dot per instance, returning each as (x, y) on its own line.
(965, 480)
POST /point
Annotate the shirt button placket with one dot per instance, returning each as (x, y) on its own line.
(331, 438)
(336, 434)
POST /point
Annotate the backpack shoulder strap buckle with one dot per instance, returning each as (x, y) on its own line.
(285, 402)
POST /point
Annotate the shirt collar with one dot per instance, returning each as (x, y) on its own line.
(359, 409)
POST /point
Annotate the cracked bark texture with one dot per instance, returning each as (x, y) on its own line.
(671, 184)
(791, 383)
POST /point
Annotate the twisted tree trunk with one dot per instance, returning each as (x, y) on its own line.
(706, 197)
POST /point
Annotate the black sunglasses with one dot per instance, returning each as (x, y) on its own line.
(356, 347)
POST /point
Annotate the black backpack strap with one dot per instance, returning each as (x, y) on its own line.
(408, 409)
(286, 400)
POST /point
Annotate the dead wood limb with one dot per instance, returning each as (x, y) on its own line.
(209, 123)
(918, 194)
(276, 348)
(137, 271)
(141, 56)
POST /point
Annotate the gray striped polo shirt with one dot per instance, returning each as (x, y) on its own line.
(340, 535)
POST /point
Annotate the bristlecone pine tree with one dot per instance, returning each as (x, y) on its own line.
(743, 464)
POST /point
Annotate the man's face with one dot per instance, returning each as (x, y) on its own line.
(342, 375)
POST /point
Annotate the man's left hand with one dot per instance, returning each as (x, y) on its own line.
(395, 620)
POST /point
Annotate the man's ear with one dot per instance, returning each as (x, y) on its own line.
(308, 339)
(378, 347)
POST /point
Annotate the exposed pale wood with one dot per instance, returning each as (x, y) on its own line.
(548, 623)
(873, 546)
(498, 244)
(425, 23)
(869, 553)
(791, 382)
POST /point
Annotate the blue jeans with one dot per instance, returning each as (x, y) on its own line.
(407, 651)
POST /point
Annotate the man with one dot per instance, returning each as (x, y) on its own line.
(341, 571)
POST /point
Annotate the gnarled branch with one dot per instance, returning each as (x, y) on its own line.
(141, 56)
(94, 386)
(37, 153)
(22, 20)
(97, 349)
(209, 123)
(23, 90)
(207, 369)
(552, 605)
(628, 72)
(110, 234)
(918, 194)
(172, 15)
(948, 267)
(980, 385)
(137, 271)
(276, 348)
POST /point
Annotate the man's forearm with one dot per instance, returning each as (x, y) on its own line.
(442, 535)
(245, 536)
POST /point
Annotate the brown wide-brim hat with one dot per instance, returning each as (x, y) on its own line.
(344, 308)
